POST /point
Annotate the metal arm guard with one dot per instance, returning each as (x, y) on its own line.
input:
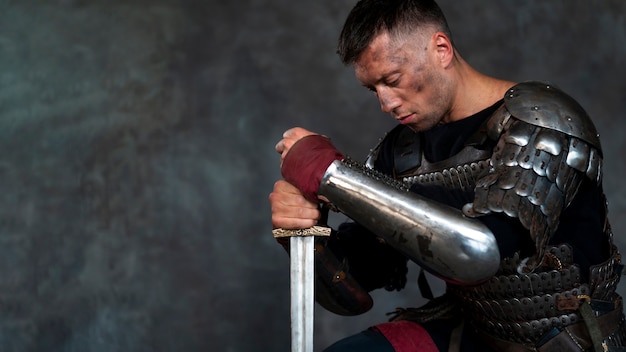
(439, 238)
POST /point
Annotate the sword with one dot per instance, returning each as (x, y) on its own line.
(302, 277)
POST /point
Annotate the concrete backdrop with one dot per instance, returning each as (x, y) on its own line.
(137, 155)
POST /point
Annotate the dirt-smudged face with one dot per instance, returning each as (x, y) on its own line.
(407, 79)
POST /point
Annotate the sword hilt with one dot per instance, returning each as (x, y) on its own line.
(316, 230)
(321, 229)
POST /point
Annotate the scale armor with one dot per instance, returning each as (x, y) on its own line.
(544, 146)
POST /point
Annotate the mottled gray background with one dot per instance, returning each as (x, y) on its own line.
(137, 155)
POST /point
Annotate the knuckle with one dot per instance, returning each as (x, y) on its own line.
(278, 185)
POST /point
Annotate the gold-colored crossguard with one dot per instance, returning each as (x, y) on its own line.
(302, 277)
(311, 231)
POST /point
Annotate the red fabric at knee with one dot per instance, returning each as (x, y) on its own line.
(407, 336)
(307, 161)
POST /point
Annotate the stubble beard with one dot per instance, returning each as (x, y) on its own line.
(440, 106)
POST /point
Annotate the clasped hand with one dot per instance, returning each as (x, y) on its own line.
(290, 209)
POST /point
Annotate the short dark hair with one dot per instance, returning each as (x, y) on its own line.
(369, 18)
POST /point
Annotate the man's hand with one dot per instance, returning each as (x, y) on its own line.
(304, 157)
(290, 137)
(290, 209)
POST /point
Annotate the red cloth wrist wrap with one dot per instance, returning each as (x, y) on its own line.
(307, 161)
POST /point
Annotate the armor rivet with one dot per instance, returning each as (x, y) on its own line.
(535, 108)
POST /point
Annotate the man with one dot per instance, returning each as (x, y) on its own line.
(500, 195)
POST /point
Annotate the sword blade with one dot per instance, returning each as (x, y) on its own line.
(302, 251)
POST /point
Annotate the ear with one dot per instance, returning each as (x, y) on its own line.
(444, 49)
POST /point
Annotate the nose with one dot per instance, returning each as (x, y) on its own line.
(388, 100)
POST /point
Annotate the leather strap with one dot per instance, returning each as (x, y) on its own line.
(572, 338)
(579, 333)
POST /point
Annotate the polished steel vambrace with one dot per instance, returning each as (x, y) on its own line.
(439, 238)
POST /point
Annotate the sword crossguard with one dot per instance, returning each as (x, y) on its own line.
(311, 231)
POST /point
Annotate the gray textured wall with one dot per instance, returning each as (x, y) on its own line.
(137, 155)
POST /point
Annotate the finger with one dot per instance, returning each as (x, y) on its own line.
(292, 132)
(280, 146)
(292, 223)
(288, 216)
(297, 208)
(283, 146)
(297, 133)
(290, 209)
(286, 193)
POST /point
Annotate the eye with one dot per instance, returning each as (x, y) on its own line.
(393, 82)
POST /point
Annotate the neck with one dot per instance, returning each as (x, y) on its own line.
(474, 91)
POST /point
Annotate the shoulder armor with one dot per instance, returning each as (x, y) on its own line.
(546, 146)
(544, 105)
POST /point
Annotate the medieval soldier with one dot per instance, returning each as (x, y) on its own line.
(493, 186)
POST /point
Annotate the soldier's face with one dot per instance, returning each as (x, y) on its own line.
(406, 79)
